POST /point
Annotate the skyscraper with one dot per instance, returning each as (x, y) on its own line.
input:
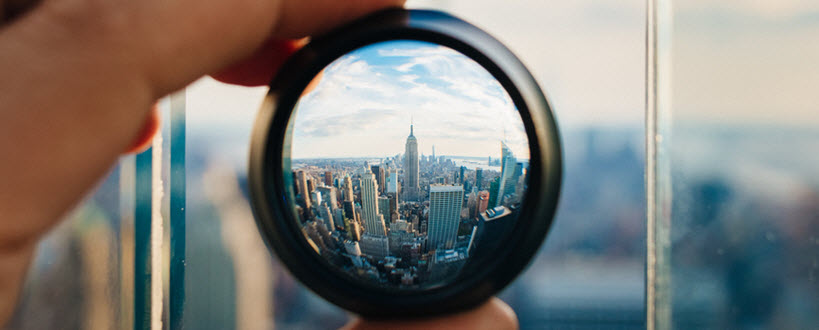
(384, 207)
(327, 216)
(508, 180)
(338, 217)
(483, 201)
(348, 189)
(373, 221)
(411, 186)
(472, 203)
(328, 178)
(380, 177)
(444, 215)
(329, 195)
(479, 178)
(305, 194)
(392, 183)
(316, 197)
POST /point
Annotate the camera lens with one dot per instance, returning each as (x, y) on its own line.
(406, 165)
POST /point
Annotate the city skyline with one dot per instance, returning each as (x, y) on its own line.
(407, 222)
(366, 100)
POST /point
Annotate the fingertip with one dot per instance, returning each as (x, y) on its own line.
(305, 18)
(146, 134)
(504, 314)
(493, 314)
(260, 67)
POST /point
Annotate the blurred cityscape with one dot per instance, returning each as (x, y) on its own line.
(408, 220)
(744, 243)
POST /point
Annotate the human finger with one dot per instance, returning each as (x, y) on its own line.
(494, 315)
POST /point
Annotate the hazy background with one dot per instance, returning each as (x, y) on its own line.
(743, 141)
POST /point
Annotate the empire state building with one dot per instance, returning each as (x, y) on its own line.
(411, 186)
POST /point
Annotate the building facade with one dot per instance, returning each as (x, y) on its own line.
(444, 215)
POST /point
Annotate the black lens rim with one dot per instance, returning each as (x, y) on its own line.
(269, 140)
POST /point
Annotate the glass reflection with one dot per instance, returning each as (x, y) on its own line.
(408, 159)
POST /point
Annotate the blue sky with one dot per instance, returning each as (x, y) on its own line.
(365, 101)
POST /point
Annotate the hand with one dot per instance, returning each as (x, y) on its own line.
(494, 314)
(80, 77)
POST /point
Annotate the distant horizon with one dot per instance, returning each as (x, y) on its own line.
(425, 155)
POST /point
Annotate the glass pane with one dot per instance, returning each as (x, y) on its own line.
(743, 164)
(82, 275)
(369, 192)
(589, 58)
(230, 279)
(104, 266)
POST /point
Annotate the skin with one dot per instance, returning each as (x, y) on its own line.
(80, 79)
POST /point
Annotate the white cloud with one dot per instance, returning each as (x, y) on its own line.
(456, 105)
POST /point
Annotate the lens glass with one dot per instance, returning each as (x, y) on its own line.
(404, 161)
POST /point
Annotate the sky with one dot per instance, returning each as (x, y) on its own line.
(733, 61)
(587, 55)
(366, 100)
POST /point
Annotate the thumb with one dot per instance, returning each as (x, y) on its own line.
(150, 127)
(494, 314)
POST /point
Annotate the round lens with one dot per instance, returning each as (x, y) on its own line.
(404, 162)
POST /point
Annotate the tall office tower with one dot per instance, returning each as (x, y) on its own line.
(373, 221)
(311, 184)
(327, 215)
(444, 215)
(349, 209)
(384, 206)
(472, 203)
(493, 190)
(380, 177)
(329, 195)
(521, 185)
(358, 213)
(479, 178)
(305, 195)
(393, 203)
(461, 177)
(508, 181)
(353, 229)
(511, 189)
(338, 217)
(392, 184)
(411, 171)
(348, 189)
(328, 178)
(483, 201)
(383, 173)
(316, 196)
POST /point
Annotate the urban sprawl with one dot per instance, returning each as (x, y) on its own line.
(405, 221)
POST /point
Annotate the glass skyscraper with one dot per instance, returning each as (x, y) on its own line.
(444, 215)
(508, 179)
